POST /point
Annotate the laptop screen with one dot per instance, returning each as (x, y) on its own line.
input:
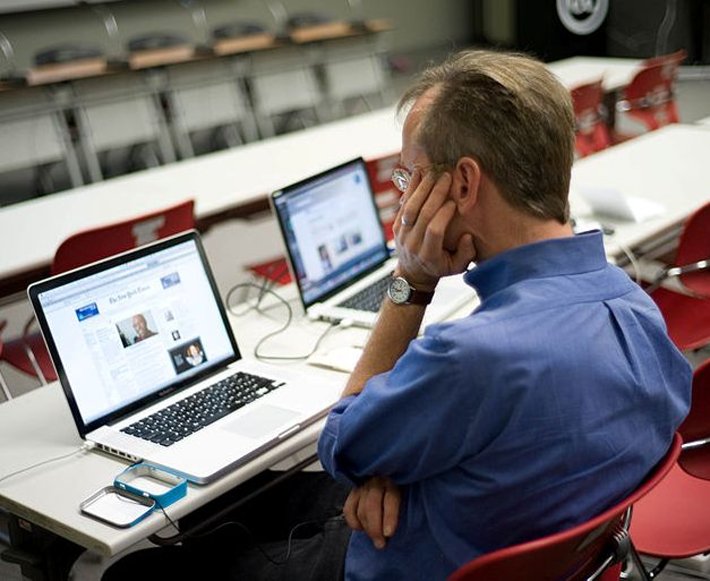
(332, 230)
(123, 330)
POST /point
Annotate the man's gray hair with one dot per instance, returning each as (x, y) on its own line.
(509, 112)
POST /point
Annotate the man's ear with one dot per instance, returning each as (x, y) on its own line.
(466, 183)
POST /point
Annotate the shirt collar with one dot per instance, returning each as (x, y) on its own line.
(552, 257)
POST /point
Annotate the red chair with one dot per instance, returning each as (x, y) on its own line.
(695, 457)
(650, 96)
(591, 133)
(28, 352)
(379, 170)
(591, 550)
(687, 313)
(672, 522)
(3, 386)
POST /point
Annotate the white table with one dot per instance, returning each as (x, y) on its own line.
(38, 426)
(614, 72)
(668, 166)
(30, 232)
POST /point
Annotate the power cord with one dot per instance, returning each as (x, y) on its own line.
(84, 448)
(633, 261)
(243, 527)
(264, 290)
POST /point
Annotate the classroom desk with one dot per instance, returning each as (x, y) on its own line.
(614, 72)
(38, 426)
(225, 183)
(668, 166)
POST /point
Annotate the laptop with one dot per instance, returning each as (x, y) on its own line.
(151, 369)
(337, 250)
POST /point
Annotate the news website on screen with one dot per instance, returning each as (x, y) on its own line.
(129, 331)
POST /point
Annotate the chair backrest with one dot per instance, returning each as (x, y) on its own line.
(206, 96)
(97, 243)
(695, 428)
(570, 555)
(696, 425)
(118, 112)
(693, 246)
(650, 96)
(282, 81)
(33, 132)
(591, 132)
(353, 68)
(379, 170)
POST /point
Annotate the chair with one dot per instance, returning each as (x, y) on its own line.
(34, 136)
(116, 114)
(285, 90)
(208, 105)
(591, 550)
(672, 521)
(591, 132)
(28, 352)
(687, 309)
(650, 96)
(695, 429)
(3, 386)
(354, 72)
(379, 170)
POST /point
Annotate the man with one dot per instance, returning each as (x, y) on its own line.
(546, 405)
(140, 326)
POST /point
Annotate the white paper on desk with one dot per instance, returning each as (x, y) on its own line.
(605, 201)
(338, 358)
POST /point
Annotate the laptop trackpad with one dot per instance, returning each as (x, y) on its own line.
(261, 421)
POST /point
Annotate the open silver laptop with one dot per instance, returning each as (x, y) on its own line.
(337, 250)
(151, 370)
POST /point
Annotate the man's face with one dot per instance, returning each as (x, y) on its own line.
(139, 325)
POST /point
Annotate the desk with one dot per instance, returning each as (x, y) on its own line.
(615, 72)
(219, 182)
(38, 426)
(668, 166)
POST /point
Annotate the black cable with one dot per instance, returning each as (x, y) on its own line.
(263, 291)
(282, 476)
(257, 545)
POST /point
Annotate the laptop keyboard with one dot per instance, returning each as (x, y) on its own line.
(370, 298)
(193, 413)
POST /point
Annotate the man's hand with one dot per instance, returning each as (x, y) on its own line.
(374, 509)
(420, 229)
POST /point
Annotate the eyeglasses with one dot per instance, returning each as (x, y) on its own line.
(401, 179)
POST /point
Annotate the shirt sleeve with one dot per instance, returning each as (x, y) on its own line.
(408, 424)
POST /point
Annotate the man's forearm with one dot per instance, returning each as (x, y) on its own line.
(396, 326)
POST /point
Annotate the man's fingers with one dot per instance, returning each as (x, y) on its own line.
(416, 195)
(372, 509)
(350, 510)
(431, 248)
(465, 253)
(391, 510)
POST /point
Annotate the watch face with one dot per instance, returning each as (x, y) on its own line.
(399, 291)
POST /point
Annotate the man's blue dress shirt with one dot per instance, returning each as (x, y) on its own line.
(546, 405)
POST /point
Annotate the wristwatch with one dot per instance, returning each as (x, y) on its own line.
(401, 292)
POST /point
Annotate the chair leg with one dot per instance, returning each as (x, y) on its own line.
(638, 570)
(35, 365)
(5, 388)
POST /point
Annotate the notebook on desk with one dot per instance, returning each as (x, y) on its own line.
(337, 250)
(151, 369)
